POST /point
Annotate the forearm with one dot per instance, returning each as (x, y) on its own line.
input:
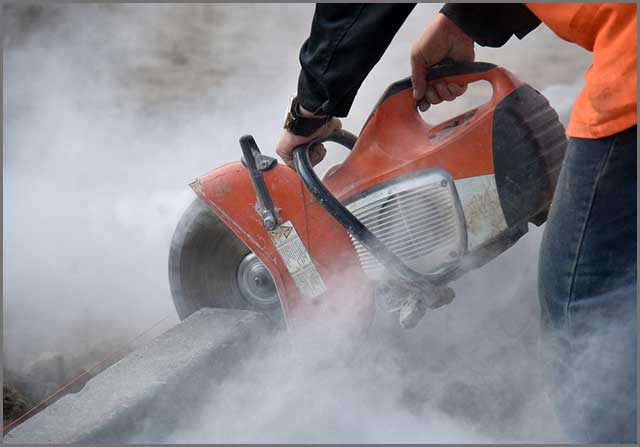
(346, 42)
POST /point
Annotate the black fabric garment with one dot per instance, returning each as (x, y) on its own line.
(491, 24)
(348, 39)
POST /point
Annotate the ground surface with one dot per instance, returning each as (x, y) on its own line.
(110, 110)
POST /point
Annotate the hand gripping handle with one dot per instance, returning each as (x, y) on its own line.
(464, 73)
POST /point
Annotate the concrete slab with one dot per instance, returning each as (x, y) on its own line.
(144, 395)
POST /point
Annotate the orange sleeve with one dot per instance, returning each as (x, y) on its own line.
(608, 102)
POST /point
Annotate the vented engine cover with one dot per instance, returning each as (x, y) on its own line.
(418, 217)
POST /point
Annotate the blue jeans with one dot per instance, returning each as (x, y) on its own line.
(587, 289)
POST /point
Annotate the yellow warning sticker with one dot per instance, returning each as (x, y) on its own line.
(297, 259)
(281, 232)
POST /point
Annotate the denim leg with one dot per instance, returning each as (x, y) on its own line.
(587, 289)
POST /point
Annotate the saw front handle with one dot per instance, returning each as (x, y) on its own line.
(351, 223)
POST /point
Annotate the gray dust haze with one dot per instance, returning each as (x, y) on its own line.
(110, 110)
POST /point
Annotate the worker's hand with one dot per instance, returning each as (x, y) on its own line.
(441, 39)
(288, 141)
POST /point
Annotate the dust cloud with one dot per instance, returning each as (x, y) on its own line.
(110, 110)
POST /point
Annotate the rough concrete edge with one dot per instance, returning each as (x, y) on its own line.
(149, 412)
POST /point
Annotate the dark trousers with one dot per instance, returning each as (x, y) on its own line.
(587, 288)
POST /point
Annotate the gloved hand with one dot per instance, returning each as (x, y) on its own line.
(288, 141)
(441, 39)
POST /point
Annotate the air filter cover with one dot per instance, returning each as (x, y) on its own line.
(418, 217)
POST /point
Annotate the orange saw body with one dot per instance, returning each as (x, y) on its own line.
(411, 208)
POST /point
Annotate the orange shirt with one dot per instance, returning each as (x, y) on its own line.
(608, 102)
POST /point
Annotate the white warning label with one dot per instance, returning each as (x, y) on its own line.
(297, 259)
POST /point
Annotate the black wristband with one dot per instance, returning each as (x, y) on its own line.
(303, 126)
